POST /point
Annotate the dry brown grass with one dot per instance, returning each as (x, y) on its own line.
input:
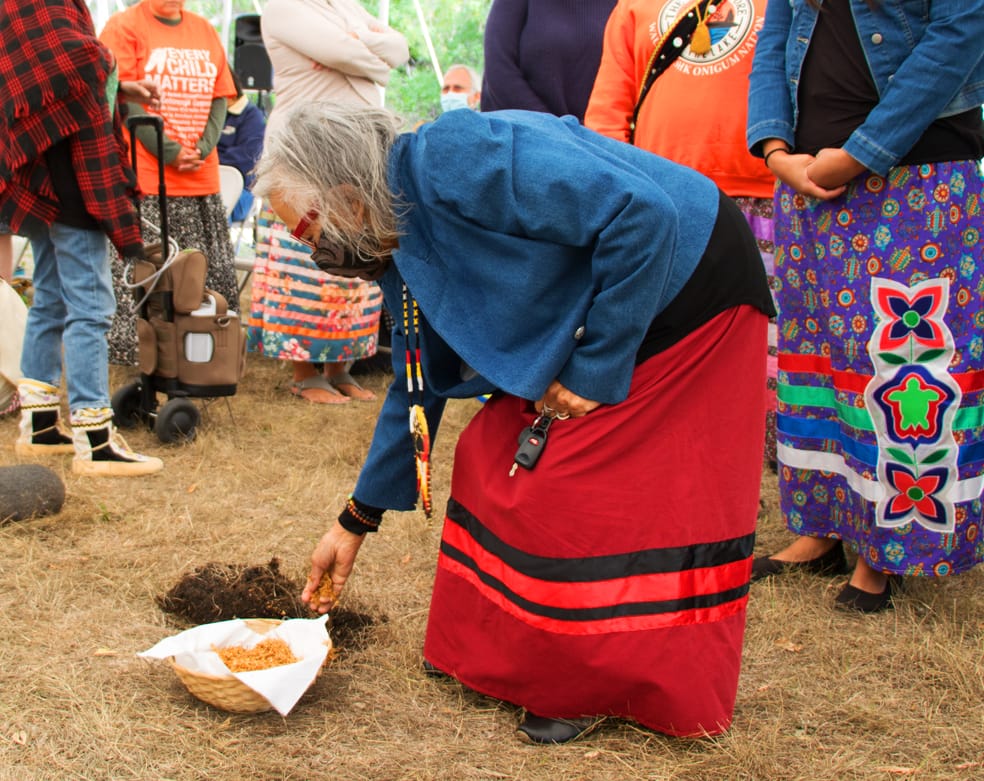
(822, 696)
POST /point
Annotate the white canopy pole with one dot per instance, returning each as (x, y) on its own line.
(100, 13)
(430, 45)
(383, 16)
(226, 22)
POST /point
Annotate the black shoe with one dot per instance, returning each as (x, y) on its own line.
(431, 671)
(854, 598)
(539, 729)
(833, 562)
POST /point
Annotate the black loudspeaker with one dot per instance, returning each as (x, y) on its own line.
(249, 56)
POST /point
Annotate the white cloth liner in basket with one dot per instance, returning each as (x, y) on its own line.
(281, 686)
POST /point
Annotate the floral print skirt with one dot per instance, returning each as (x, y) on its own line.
(298, 312)
(881, 378)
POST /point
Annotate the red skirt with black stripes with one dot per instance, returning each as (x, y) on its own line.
(612, 579)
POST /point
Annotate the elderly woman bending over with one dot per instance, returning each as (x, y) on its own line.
(603, 502)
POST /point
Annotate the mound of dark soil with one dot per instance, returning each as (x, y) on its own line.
(220, 592)
(349, 629)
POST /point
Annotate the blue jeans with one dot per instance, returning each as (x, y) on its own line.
(73, 308)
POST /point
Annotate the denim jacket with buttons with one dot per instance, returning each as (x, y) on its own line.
(537, 250)
(926, 58)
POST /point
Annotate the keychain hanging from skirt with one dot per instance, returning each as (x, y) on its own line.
(533, 439)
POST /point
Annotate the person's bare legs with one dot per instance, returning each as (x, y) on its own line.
(305, 371)
(868, 579)
(6, 257)
(351, 389)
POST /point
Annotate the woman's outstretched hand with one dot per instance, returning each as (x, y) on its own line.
(564, 403)
(334, 555)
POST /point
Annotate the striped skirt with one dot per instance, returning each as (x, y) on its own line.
(298, 312)
(612, 579)
(881, 378)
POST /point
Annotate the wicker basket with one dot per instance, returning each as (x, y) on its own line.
(226, 691)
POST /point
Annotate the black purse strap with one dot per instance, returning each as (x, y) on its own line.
(668, 48)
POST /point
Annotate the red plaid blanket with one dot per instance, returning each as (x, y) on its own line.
(54, 72)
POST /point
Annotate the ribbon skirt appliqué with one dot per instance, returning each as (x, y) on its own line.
(913, 400)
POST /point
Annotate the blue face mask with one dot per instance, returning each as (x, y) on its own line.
(454, 100)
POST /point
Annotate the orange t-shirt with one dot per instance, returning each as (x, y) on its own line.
(189, 65)
(696, 111)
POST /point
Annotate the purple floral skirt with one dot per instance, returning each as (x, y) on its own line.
(759, 213)
(881, 379)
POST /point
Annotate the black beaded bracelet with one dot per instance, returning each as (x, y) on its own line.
(360, 518)
(771, 152)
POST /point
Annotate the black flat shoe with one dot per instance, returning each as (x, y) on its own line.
(432, 671)
(833, 562)
(539, 729)
(853, 598)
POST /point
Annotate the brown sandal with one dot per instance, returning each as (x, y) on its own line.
(317, 382)
(341, 379)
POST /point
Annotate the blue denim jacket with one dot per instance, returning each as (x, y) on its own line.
(926, 57)
(536, 249)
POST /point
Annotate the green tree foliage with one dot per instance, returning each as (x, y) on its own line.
(456, 29)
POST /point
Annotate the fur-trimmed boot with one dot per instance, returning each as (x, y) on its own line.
(41, 431)
(100, 450)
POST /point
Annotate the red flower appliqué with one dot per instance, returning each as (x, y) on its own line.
(911, 312)
(916, 493)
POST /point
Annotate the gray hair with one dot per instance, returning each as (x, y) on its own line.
(319, 147)
(474, 75)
